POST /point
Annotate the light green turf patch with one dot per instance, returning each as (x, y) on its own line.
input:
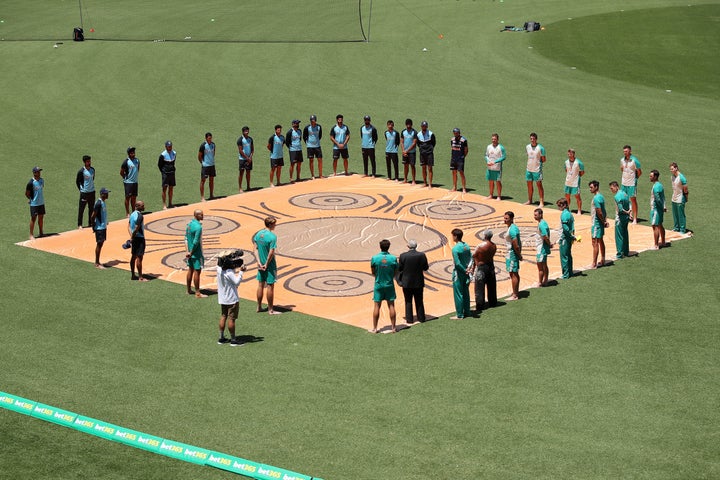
(664, 48)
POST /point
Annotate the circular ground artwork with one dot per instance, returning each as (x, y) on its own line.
(451, 210)
(177, 260)
(351, 239)
(332, 201)
(212, 225)
(442, 271)
(331, 283)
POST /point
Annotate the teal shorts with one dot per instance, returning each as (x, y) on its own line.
(572, 190)
(512, 266)
(196, 263)
(631, 191)
(597, 230)
(493, 175)
(541, 257)
(266, 276)
(384, 293)
(533, 176)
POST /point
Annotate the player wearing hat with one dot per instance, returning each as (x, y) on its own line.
(293, 140)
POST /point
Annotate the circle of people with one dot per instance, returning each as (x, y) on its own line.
(405, 145)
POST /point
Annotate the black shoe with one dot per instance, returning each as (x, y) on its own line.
(223, 340)
(236, 343)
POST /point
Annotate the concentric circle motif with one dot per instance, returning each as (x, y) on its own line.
(351, 239)
(212, 225)
(332, 201)
(177, 260)
(451, 210)
(331, 283)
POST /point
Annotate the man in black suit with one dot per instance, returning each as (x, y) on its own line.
(412, 280)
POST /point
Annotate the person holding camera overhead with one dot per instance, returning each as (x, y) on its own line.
(230, 270)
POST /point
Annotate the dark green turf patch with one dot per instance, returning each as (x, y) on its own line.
(665, 48)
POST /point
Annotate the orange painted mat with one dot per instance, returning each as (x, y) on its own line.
(327, 231)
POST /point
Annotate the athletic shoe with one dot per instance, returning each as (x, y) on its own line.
(236, 343)
(223, 340)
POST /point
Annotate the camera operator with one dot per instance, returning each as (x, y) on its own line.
(230, 270)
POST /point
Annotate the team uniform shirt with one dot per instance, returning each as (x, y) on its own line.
(193, 238)
(657, 197)
(100, 215)
(276, 141)
(392, 141)
(166, 161)
(494, 154)
(513, 233)
(408, 136)
(86, 180)
(246, 143)
(132, 168)
(35, 187)
(368, 136)
(629, 171)
(567, 222)
(293, 140)
(384, 265)
(426, 142)
(312, 135)
(265, 240)
(227, 282)
(457, 148)
(622, 205)
(461, 258)
(208, 151)
(678, 183)
(534, 158)
(136, 218)
(573, 169)
(340, 134)
(598, 201)
(544, 231)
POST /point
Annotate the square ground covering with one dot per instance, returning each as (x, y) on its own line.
(327, 231)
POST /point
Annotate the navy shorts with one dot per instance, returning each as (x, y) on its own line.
(131, 189)
(206, 172)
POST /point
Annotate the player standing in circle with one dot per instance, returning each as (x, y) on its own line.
(599, 224)
(206, 157)
(392, 142)
(426, 144)
(543, 247)
(293, 140)
(99, 219)
(34, 191)
(536, 158)
(409, 142)
(494, 156)
(340, 136)
(166, 165)
(631, 171)
(265, 242)
(574, 169)
(368, 139)
(384, 265)
(194, 256)
(622, 218)
(246, 150)
(513, 244)
(312, 134)
(679, 198)
(657, 210)
(462, 256)
(275, 147)
(136, 229)
(458, 152)
(567, 237)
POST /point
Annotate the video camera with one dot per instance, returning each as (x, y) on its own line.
(230, 259)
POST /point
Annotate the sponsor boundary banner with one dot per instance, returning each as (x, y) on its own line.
(133, 438)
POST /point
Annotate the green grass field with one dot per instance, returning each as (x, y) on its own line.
(614, 374)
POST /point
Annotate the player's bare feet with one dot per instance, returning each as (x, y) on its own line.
(143, 279)
(498, 198)
(527, 203)
(273, 312)
(512, 298)
(200, 295)
(372, 330)
(100, 266)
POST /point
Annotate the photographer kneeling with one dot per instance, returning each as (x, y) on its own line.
(230, 270)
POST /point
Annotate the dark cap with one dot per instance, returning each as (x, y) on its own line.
(37, 169)
(424, 124)
(296, 122)
(104, 191)
(130, 149)
(168, 143)
(366, 117)
(456, 130)
(313, 117)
